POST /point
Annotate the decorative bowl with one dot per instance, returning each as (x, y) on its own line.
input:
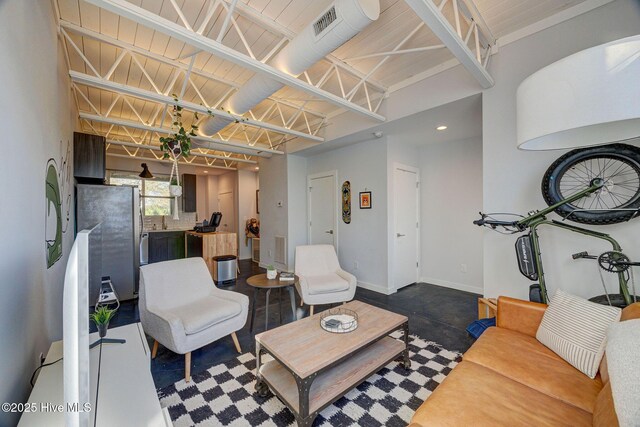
(339, 320)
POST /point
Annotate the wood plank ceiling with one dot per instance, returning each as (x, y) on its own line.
(216, 79)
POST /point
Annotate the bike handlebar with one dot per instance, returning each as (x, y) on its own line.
(494, 223)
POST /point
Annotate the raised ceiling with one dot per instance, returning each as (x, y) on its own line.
(137, 65)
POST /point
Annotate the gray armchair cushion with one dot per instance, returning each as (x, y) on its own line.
(326, 284)
(199, 315)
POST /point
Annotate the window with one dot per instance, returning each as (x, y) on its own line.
(155, 198)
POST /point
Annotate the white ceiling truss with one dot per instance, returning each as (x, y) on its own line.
(471, 46)
(201, 42)
(134, 116)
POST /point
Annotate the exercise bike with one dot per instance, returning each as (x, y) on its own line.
(599, 185)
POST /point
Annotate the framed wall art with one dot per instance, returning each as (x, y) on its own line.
(365, 200)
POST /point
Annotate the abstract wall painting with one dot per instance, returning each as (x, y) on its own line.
(58, 203)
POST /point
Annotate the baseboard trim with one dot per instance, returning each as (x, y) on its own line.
(453, 285)
(376, 288)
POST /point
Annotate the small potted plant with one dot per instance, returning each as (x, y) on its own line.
(272, 273)
(174, 188)
(101, 317)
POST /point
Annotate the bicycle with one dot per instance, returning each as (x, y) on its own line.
(606, 181)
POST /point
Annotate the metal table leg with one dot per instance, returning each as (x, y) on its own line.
(280, 304)
(261, 388)
(304, 418)
(406, 361)
(253, 308)
(293, 302)
(266, 311)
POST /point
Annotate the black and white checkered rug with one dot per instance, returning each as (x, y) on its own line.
(224, 394)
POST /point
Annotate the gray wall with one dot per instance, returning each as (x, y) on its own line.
(297, 206)
(364, 240)
(37, 117)
(451, 196)
(512, 177)
(274, 219)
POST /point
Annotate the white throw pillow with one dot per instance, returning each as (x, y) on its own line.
(576, 330)
(623, 354)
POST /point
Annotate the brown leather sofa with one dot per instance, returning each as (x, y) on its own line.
(508, 378)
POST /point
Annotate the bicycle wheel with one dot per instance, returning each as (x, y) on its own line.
(618, 165)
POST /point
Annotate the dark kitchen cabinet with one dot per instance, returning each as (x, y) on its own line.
(194, 246)
(89, 158)
(188, 193)
(166, 245)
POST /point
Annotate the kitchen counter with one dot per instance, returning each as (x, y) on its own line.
(196, 233)
(168, 230)
(209, 245)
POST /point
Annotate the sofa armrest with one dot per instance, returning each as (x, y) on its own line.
(519, 315)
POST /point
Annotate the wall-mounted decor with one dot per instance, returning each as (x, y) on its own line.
(58, 204)
(346, 202)
(365, 200)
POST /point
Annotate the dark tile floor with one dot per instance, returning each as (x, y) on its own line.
(435, 313)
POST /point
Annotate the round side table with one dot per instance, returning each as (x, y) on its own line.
(260, 282)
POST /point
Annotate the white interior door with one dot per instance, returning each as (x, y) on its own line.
(406, 229)
(228, 211)
(322, 209)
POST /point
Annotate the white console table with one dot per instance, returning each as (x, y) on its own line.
(126, 395)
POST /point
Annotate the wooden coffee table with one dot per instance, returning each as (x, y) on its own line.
(313, 368)
(260, 281)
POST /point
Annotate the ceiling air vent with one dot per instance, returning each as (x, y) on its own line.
(325, 20)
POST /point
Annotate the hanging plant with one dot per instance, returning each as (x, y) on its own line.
(179, 142)
(175, 145)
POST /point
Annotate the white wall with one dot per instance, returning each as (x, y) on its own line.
(273, 218)
(37, 119)
(297, 206)
(247, 186)
(364, 240)
(451, 196)
(512, 177)
(206, 196)
(228, 182)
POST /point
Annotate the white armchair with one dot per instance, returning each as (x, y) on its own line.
(182, 309)
(322, 281)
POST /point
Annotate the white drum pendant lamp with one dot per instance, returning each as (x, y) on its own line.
(589, 98)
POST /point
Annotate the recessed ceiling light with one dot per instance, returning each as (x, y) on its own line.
(257, 167)
(206, 171)
(441, 127)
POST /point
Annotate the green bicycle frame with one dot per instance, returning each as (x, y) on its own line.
(538, 218)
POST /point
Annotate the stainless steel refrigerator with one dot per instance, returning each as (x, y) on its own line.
(117, 209)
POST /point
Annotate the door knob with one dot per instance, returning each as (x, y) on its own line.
(329, 232)
(399, 235)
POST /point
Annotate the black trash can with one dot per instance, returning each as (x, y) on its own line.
(224, 269)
